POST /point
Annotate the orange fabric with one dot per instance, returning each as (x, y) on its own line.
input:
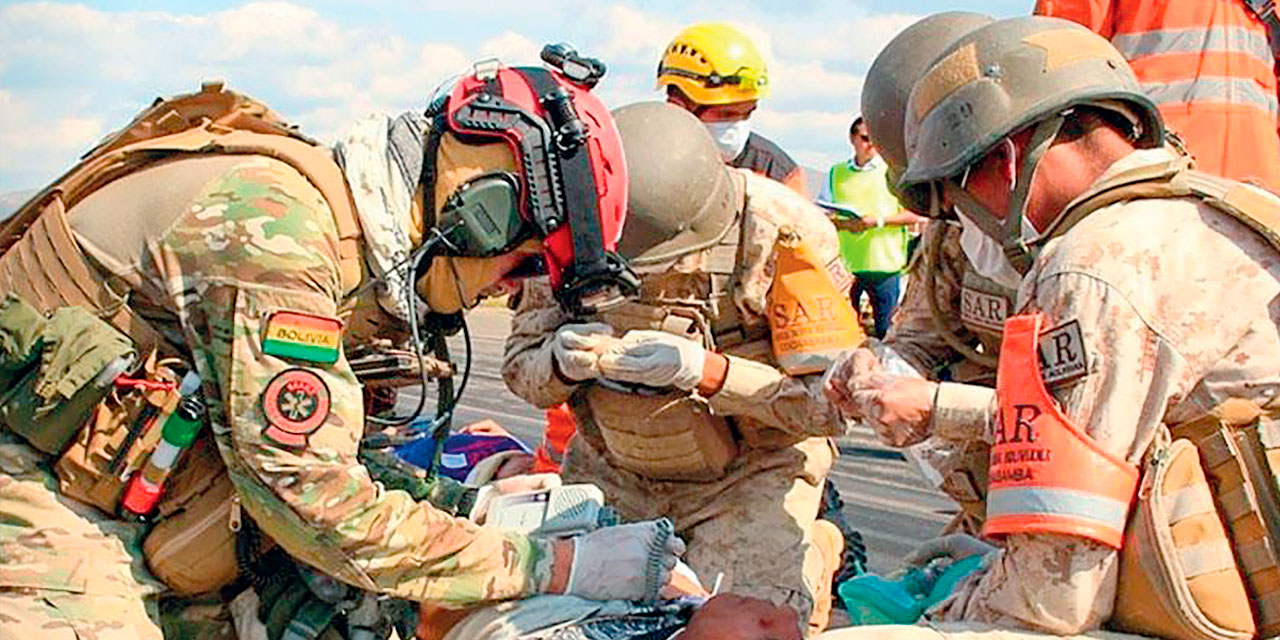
(796, 180)
(1046, 475)
(1236, 139)
(555, 440)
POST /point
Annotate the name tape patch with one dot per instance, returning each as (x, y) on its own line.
(983, 310)
(1062, 355)
(302, 336)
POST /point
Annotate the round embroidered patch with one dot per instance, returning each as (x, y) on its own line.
(296, 403)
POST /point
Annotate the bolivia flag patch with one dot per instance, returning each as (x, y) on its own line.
(302, 336)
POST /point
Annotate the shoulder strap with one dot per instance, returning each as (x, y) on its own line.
(1252, 206)
(1255, 208)
(1148, 181)
(1266, 12)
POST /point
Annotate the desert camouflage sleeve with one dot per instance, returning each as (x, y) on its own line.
(913, 334)
(527, 365)
(1062, 584)
(760, 391)
(260, 240)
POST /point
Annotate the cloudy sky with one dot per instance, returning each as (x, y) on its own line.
(70, 73)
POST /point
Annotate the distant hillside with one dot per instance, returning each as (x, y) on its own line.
(9, 202)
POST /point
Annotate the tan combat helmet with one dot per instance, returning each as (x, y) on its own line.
(889, 82)
(681, 198)
(1000, 79)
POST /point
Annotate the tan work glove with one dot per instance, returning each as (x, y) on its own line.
(656, 359)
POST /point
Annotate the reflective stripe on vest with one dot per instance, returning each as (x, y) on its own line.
(1221, 90)
(1201, 40)
(1046, 475)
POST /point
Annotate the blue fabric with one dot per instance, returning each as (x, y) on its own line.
(462, 452)
(882, 288)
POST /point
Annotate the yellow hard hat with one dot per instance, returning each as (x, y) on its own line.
(714, 63)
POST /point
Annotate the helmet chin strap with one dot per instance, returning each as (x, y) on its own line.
(1009, 230)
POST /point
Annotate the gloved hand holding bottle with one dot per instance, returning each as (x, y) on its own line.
(874, 385)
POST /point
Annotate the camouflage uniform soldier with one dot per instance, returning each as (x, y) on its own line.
(948, 325)
(1137, 375)
(247, 250)
(702, 236)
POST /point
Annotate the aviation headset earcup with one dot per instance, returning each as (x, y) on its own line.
(482, 218)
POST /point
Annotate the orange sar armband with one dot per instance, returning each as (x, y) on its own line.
(1046, 474)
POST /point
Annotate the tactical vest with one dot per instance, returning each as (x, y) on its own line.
(675, 435)
(1183, 575)
(984, 305)
(192, 545)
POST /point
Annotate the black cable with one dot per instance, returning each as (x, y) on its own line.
(413, 261)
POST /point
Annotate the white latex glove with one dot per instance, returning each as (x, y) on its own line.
(506, 486)
(845, 377)
(624, 562)
(956, 547)
(654, 358)
(875, 386)
(577, 347)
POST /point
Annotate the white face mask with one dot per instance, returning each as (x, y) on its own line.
(986, 255)
(730, 137)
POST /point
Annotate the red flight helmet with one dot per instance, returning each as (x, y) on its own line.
(571, 186)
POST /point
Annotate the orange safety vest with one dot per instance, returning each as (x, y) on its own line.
(1208, 67)
(555, 440)
(1046, 475)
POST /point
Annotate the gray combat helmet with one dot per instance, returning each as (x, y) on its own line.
(999, 79)
(681, 197)
(889, 82)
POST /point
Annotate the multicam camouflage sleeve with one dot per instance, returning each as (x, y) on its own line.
(252, 271)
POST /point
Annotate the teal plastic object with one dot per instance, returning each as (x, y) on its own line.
(872, 599)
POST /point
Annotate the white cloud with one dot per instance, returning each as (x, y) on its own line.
(851, 40)
(93, 69)
(512, 48)
(72, 72)
(812, 80)
(77, 132)
(632, 33)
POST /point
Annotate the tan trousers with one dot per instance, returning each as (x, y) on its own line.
(754, 525)
(960, 631)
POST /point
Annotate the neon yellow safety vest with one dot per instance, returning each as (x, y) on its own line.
(879, 249)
